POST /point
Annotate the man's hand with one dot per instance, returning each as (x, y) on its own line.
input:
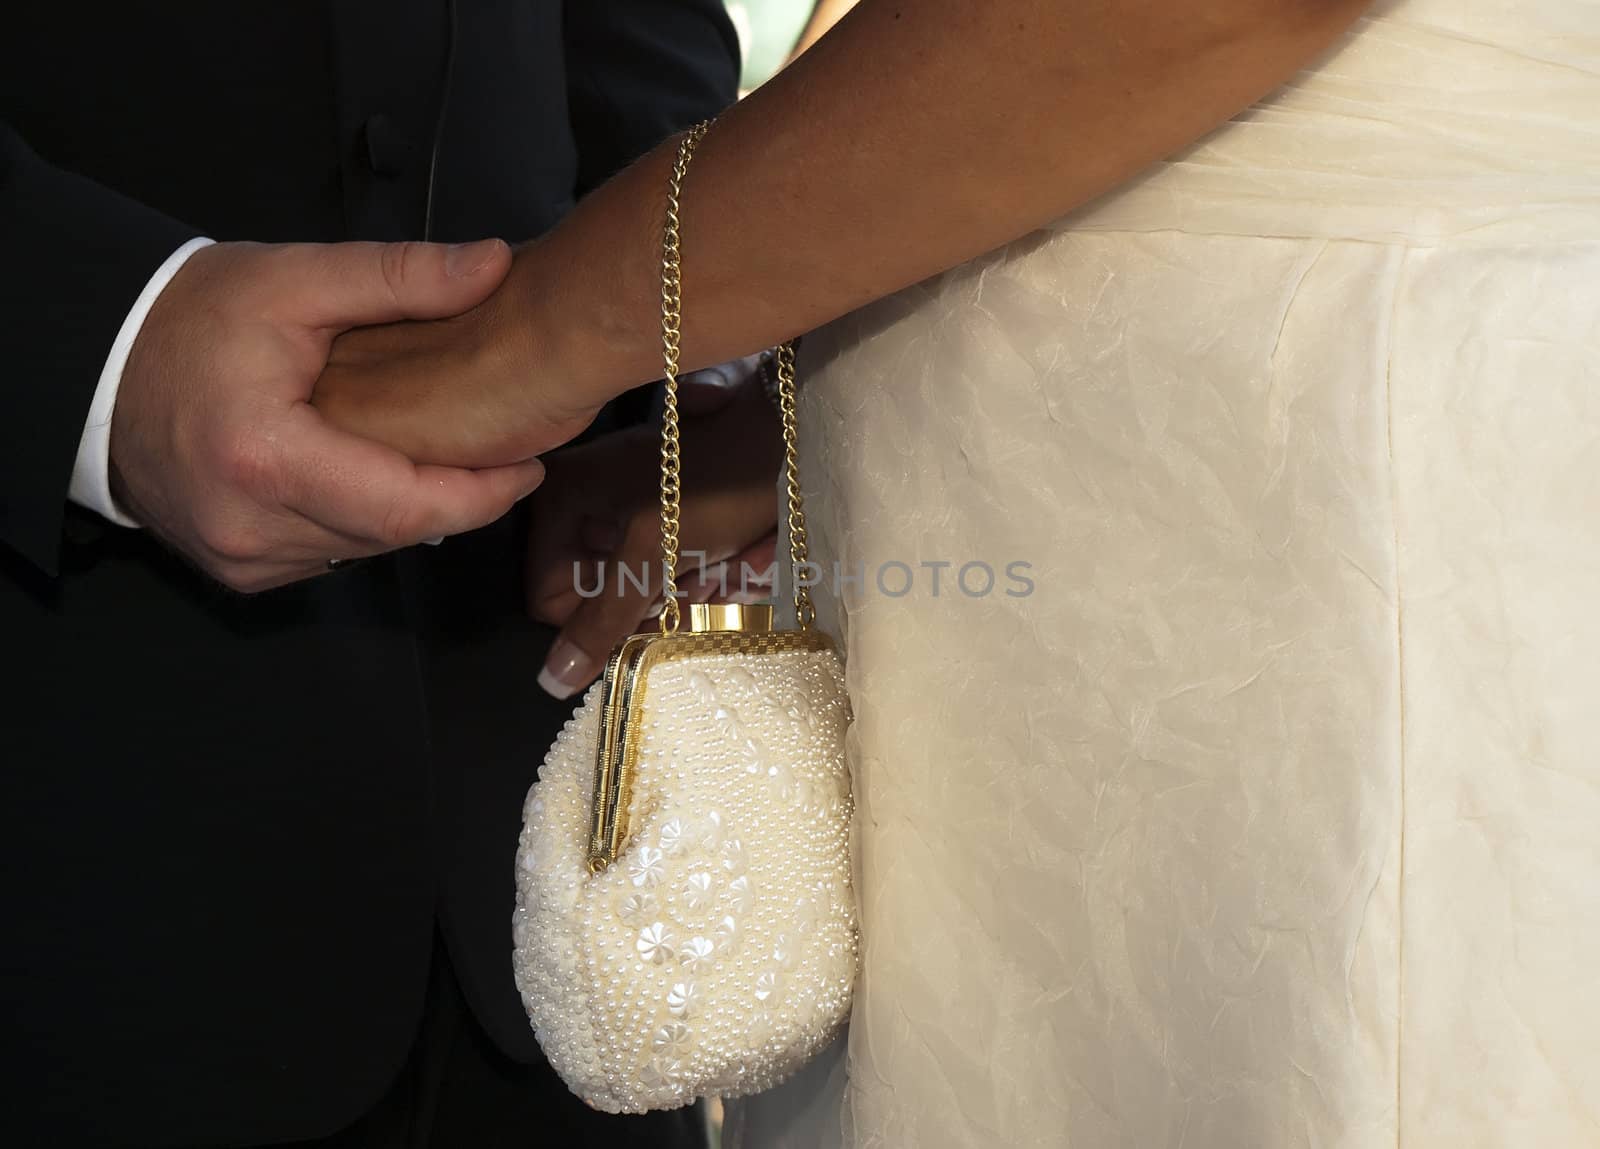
(482, 389)
(215, 447)
(597, 526)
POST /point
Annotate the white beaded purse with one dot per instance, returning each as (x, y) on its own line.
(685, 924)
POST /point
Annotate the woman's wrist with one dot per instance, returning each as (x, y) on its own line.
(584, 301)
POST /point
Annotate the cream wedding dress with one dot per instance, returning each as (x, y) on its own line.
(1271, 817)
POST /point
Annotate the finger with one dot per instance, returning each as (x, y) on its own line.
(713, 388)
(286, 574)
(565, 549)
(298, 549)
(760, 558)
(246, 548)
(752, 571)
(746, 577)
(318, 552)
(344, 285)
(599, 536)
(554, 607)
(364, 489)
(253, 578)
(598, 624)
(555, 590)
(709, 584)
(556, 585)
(318, 545)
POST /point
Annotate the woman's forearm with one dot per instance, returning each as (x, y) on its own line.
(913, 137)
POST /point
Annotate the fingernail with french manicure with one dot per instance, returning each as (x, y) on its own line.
(464, 259)
(567, 670)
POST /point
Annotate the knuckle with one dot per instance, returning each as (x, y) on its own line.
(242, 461)
(277, 256)
(260, 279)
(397, 527)
(395, 261)
(237, 544)
(273, 262)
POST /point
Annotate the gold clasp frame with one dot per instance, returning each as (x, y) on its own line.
(730, 629)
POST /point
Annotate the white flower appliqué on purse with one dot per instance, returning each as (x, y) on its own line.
(715, 955)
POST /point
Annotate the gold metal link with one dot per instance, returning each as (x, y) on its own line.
(799, 547)
(671, 453)
(671, 339)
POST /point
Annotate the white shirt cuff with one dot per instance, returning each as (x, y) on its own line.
(91, 473)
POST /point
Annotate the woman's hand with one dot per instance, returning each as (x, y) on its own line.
(598, 530)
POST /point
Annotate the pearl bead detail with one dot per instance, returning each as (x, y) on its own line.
(717, 955)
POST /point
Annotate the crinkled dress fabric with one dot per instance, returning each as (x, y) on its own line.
(1271, 817)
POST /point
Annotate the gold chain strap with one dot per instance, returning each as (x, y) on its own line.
(671, 337)
(671, 455)
(799, 548)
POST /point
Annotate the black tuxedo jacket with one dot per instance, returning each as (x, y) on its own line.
(229, 827)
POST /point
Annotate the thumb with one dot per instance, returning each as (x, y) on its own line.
(344, 285)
